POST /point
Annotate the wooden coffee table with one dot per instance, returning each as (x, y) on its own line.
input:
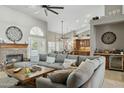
(23, 79)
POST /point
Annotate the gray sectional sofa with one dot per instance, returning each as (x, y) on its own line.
(88, 75)
(42, 61)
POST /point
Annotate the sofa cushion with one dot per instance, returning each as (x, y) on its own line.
(95, 62)
(81, 75)
(72, 57)
(54, 65)
(83, 58)
(42, 57)
(52, 55)
(42, 82)
(50, 59)
(101, 59)
(60, 58)
(60, 76)
(69, 62)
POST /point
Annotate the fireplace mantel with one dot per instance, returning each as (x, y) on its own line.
(10, 45)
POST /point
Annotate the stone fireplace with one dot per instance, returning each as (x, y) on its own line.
(9, 51)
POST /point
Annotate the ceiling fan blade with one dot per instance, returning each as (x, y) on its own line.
(44, 6)
(45, 11)
(52, 11)
(55, 7)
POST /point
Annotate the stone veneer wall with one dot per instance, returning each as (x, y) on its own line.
(9, 51)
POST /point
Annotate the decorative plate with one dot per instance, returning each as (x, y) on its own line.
(14, 34)
(108, 38)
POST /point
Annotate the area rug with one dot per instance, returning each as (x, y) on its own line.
(2, 74)
(7, 82)
(112, 84)
(107, 83)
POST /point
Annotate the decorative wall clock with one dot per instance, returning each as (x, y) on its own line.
(14, 34)
(108, 38)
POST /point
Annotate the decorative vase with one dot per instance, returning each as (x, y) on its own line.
(27, 71)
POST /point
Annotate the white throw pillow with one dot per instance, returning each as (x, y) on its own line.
(95, 62)
(68, 62)
(81, 75)
(50, 60)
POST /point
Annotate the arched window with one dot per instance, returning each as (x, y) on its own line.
(37, 41)
(36, 31)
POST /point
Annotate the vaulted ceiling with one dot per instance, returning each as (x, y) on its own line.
(75, 17)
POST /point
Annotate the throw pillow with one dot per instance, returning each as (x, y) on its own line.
(50, 60)
(81, 75)
(42, 57)
(60, 58)
(95, 62)
(101, 59)
(69, 62)
(60, 76)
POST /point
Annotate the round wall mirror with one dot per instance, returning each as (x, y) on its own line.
(14, 34)
(108, 38)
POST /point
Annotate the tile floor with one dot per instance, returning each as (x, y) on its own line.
(113, 79)
(115, 75)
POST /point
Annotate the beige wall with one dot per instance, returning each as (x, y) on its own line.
(51, 36)
(118, 29)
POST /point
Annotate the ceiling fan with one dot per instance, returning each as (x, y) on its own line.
(51, 9)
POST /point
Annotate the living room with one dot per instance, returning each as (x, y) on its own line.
(58, 46)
